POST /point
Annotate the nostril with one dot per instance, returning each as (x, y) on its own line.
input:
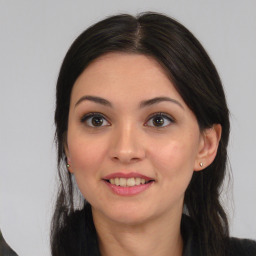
(125, 159)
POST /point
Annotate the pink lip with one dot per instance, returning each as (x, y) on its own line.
(128, 191)
(126, 175)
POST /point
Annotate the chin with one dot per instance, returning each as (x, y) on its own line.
(125, 214)
(139, 216)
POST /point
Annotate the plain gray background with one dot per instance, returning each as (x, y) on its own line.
(34, 37)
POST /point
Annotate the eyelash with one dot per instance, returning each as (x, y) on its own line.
(163, 115)
(86, 117)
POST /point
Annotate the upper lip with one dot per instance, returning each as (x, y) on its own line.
(126, 175)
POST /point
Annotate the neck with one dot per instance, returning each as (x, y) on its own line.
(160, 237)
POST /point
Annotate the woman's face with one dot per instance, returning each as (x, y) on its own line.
(129, 126)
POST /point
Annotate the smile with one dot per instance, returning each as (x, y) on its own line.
(130, 184)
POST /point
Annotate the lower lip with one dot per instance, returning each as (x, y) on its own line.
(128, 191)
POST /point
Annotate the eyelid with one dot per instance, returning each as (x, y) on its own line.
(85, 117)
(162, 114)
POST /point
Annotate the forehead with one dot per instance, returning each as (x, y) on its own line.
(126, 76)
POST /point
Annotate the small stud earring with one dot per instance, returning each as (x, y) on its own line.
(201, 164)
(68, 165)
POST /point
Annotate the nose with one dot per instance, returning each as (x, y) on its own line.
(127, 144)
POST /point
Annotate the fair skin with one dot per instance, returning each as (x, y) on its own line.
(130, 135)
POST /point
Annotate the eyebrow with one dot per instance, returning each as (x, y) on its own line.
(143, 104)
(94, 99)
(158, 100)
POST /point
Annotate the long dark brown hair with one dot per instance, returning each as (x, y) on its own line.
(197, 81)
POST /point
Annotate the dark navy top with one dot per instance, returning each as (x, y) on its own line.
(79, 238)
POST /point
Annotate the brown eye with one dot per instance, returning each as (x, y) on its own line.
(95, 120)
(159, 120)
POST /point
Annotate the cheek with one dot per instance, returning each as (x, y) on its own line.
(174, 158)
(86, 154)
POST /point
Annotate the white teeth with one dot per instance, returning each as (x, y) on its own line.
(137, 181)
(117, 181)
(130, 182)
(122, 182)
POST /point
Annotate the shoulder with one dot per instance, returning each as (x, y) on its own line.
(242, 247)
(193, 243)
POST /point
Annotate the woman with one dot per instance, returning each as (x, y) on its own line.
(142, 128)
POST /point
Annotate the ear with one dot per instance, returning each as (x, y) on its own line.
(208, 147)
(66, 150)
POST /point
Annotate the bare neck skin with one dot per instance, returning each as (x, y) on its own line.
(158, 237)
